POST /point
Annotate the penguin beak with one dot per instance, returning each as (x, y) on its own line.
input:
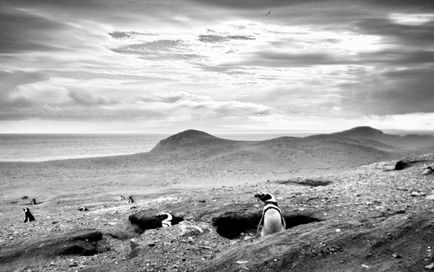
(259, 196)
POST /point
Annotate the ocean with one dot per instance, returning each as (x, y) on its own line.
(43, 147)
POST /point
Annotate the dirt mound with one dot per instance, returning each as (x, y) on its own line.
(81, 242)
(399, 243)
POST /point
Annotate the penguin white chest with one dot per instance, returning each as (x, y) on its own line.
(272, 222)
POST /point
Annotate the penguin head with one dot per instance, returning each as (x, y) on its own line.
(25, 210)
(265, 197)
(165, 216)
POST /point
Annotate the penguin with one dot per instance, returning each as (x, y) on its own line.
(272, 220)
(428, 170)
(130, 199)
(29, 216)
(166, 219)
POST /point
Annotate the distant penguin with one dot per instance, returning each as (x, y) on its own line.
(429, 170)
(272, 220)
(28, 215)
(33, 201)
(166, 219)
(130, 199)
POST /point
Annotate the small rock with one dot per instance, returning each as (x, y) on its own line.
(430, 266)
(430, 197)
(416, 193)
(134, 244)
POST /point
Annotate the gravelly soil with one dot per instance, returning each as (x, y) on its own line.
(364, 197)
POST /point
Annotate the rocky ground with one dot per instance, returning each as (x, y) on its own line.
(365, 219)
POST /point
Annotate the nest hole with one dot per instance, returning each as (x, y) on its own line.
(306, 182)
(143, 223)
(232, 224)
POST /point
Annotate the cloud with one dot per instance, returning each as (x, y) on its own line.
(264, 4)
(22, 31)
(392, 92)
(128, 34)
(215, 62)
(223, 38)
(159, 49)
(278, 59)
(421, 35)
(397, 57)
(82, 97)
(10, 81)
(252, 4)
(205, 106)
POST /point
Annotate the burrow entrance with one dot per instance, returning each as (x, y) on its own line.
(232, 224)
(146, 222)
(305, 182)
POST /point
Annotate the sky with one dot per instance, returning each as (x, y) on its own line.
(222, 66)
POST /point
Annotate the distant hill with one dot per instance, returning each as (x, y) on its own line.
(357, 146)
(203, 154)
(189, 138)
(360, 132)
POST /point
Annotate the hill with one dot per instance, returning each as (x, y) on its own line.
(188, 139)
(357, 146)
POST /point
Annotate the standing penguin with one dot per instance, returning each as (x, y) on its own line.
(272, 220)
(166, 219)
(29, 216)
